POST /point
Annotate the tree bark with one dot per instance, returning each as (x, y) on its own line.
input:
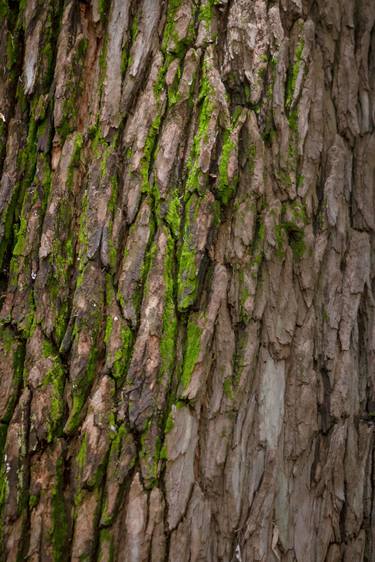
(187, 217)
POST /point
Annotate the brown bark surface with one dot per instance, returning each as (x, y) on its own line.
(187, 217)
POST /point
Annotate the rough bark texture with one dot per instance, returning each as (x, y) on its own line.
(187, 216)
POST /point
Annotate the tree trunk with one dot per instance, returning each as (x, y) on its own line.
(187, 217)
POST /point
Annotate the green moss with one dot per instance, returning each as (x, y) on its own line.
(168, 426)
(3, 137)
(240, 361)
(296, 240)
(60, 525)
(134, 29)
(33, 501)
(7, 339)
(121, 444)
(75, 159)
(26, 158)
(4, 488)
(61, 310)
(80, 390)
(292, 232)
(112, 249)
(169, 325)
(159, 84)
(206, 12)
(148, 152)
(284, 178)
(261, 232)
(4, 9)
(74, 87)
(169, 320)
(173, 95)
(228, 388)
(103, 64)
(187, 280)
(173, 216)
(108, 329)
(164, 452)
(125, 61)
(3, 435)
(293, 120)
(46, 178)
(21, 237)
(107, 149)
(41, 106)
(106, 549)
(142, 285)
(114, 194)
(28, 323)
(169, 29)
(97, 140)
(83, 235)
(19, 257)
(262, 72)
(192, 350)
(252, 158)
(8, 224)
(279, 238)
(78, 499)
(169, 423)
(56, 379)
(47, 49)
(224, 187)
(206, 96)
(217, 213)
(269, 134)
(297, 210)
(103, 9)
(61, 260)
(4, 485)
(150, 454)
(82, 454)
(117, 438)
(106, 518)
(293, 74)
(300, 181)
(187, 277)
(12, 52)
(292, 155)
(123, 355)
